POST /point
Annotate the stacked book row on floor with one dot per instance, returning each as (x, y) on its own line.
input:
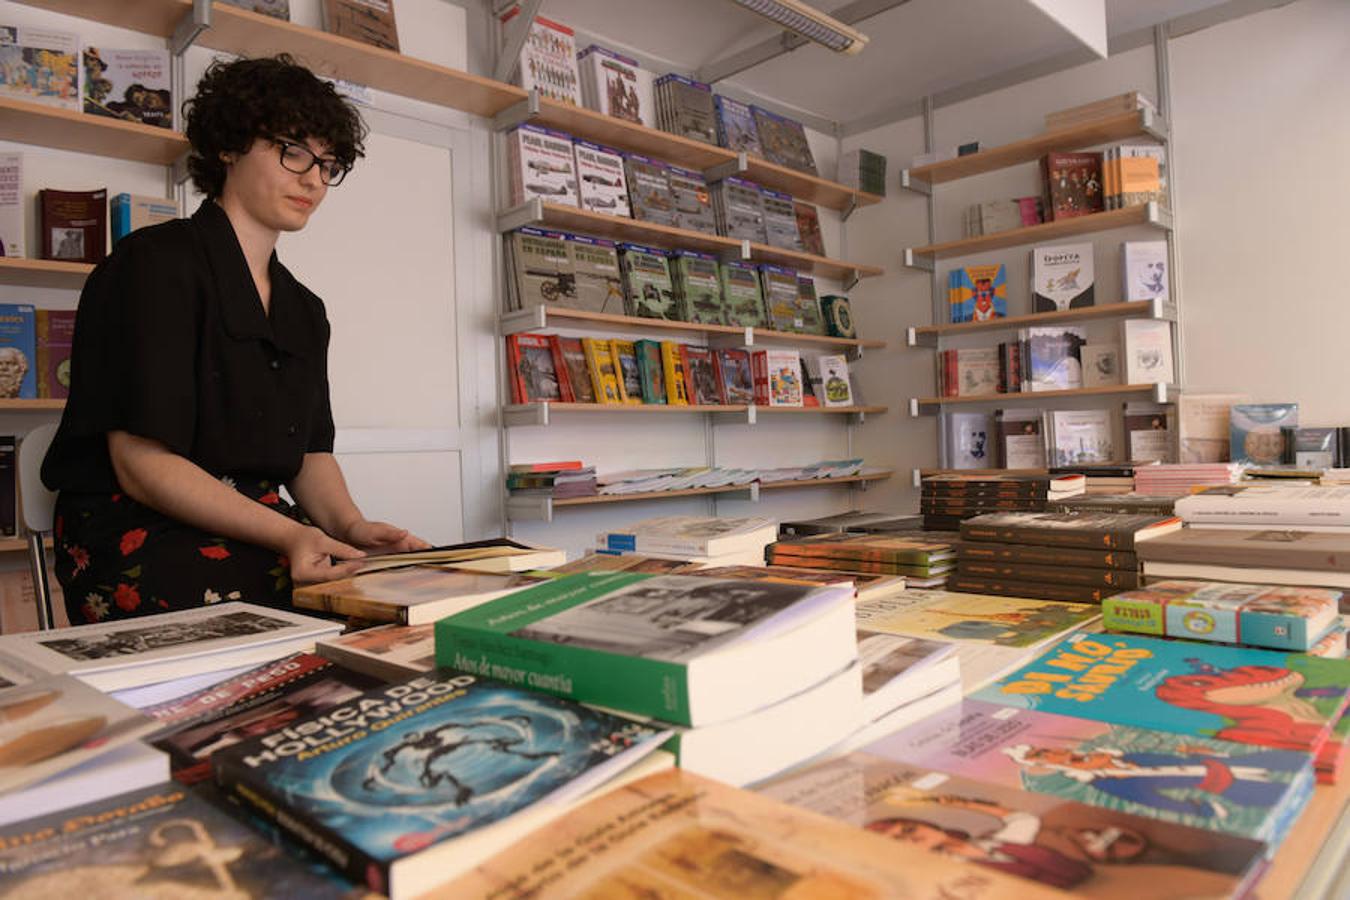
(299, 773)
(559, 269)
(549, 367)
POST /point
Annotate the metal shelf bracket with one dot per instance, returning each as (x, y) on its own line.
(517, 114)
(190, 27)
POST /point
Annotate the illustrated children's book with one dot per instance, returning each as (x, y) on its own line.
(128, 84)
(978, 293)
(1092, 851)
(40, 65)
(1003, 621)
(1252, 792)
(389, 786)
(1259, 697)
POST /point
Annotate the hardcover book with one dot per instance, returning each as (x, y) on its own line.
(18, 351)
(55, 333)
(386, 652)
(1089, 850)
(412, 595)
(736, 125)
(616, 85)
(697, 286)
(693, 207)
(1263, 698)
(1282, 618)
(541, 163)
(734, 379)
(601, 186)
(683, 649)
(649, 189)
(534, 372)
(11, 205)
(368, 21)
(648, 290)
(742, 296)
(1073, 183)
(626, 367)
(128, 84)
(548, 59)
(40, 65)
(1062, 277)
(1199, 781)
(399, 787)
(73, 225)
(783, 141)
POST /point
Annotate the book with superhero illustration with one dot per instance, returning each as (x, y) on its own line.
(1089, 850)
(1259, 697)
(1203, 782)
(409, 784)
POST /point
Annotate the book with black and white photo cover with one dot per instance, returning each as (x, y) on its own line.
(540, 163)
(1081, 436)
(742, 296)
(1062, 277)
(736, 126)
(649, 191)
(697, 286)
(598, 283)
(368, 21)
(1147, 345)
(968, 441)
(73, 225)
(548, 59)
(1054, 360)
(542, 268)
(133, 652)
(1148, 432)
(780, 220)
(40, 65)
(739, 205)
(1101, 364)
(1144, 271)
(617, 86)
(688, 108)
(829, 379)
(783, 141)
(132, 85)
(409, 784)
(413, 595)
(683, 649)
(780, 296)
(648, 290)
(11, 205)
(601, 186)
(693, 205)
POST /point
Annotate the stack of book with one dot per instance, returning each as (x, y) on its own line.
(1256, 555)
(946, 500)
(1097, 110)
(1178, 479)
(863, 170)
(860, 522)
(1308, 508)
(1102, 478)
(1139, 504)
(709, 540)
(923, 558)
(554, 479)
(1055, 556)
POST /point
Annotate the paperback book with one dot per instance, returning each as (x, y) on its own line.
(626, 370)
(541, 163)
(132, 85)
(778, 377)
(736, 125)
(808, 227)
(734, 378)
(596, 281)
(780, 296)
(780, 220)
(1144, 271)
(413, 595)
(700, 376)
(693, 206)
(548, 59)
(783, 141)
(978, 293)
(1105, 531)
(649, 190)
(1062, 277)
(40, 65)
(739, 206)
(697, 286)
(601, 186)
(650, 371)
(616, 85)
(1080, 436)
(18, 353)
(386, 652)
(1147, 357)
(1255, 434)
(648, 290)
(73, 225)
(11, 205)
(1054, 358)
(128, 212)
(742, 296)
(686, 108)
(534, 368)
(368, 21)
(575, 376)
(1073, 184)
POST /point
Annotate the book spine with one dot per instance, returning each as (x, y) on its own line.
(1048, 556)
(1048, 537)
(1138, 616)
(1199, 509)
(342, 604)
(1067, 575)
(234, 779)
(1037, 590)
(849, 565)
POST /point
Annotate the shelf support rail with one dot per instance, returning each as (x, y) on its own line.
(190, 27)
(517, 33)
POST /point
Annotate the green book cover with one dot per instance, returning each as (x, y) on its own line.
(649, 370)
(1138, 616)
(743, 302)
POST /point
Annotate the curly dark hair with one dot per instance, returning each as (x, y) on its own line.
(244, 99)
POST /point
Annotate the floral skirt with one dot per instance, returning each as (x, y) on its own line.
(117, 559)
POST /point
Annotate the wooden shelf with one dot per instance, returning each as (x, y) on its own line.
(823, 410)
(920, 404)
(517, 414)
(573, 218)
(66, 129)
(1141, 123)
(927, 335)
(1144, 214)
(43, 272)
(551, 317)
(860, 478)
(47, 403)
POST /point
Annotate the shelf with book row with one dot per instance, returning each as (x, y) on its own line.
(537, 212)
(542, 413)
(46, 273)
(521, 508)
(1161, 393)
(544, 317)
(930, 335)
(246, 33)
(66, 129)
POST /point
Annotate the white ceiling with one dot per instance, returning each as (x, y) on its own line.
(918, 48)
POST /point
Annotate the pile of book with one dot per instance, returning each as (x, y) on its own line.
(707, 540)
(1102, 479)
(1178, 479)
(924, 559)
(945, 500)
(558, 480)
(859, 522)
(640, 481)
(1112, 502)
(1078, 557)
(992, 216)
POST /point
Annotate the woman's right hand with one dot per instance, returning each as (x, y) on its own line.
(314, 556)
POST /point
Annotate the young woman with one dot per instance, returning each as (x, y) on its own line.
(199, 382)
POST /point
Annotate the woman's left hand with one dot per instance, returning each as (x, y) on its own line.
(381, 537)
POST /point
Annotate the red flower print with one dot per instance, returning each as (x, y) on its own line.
(80, 557)
(115, 498)
(271, 498)
(214, 551)
(126, 597)
(132, 540)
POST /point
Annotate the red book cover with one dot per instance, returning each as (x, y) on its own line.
(73, 224)
(533, 377)
(55, 333)
(760, 368)
(1073, 184)
(560, 369)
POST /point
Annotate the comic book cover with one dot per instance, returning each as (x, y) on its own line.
(1203, 782)
(979, 293)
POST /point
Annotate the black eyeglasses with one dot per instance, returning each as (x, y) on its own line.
(300, 159)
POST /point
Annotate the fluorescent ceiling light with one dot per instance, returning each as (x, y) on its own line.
(808, 22)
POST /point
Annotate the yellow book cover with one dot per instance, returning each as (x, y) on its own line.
(600, 363)
(626, 371)
(673, 364)
(676, 835)
(1139, 180)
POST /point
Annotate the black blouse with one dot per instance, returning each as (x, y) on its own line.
(172, 343)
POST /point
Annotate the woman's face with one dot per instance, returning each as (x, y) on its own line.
(271, 194)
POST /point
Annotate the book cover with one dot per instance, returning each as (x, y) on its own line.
(1081, 576)
(1275, 548)
(18, 350)
(128, 212)
(11, 205)
(1147, 352)
(548, 59)
(1203, 782)
(598, 282)
(980, 293)
(649, 190)
(808, 227)
(736, 125)
(55, 331)
(601, 186)
(780, 220)
(838, 316)
(1144, 271)
(578, 374)
(1254, 431)
(1021, 441)
(534, 377)
(916, 550)
(783, 141)
(650, 371)
(700, 376)
(410, 595)
(406, 768)
(1090, 850)
(367, 21)
(215, 697)
(128, 84)
(734, 379)
(784, 376)
(1062, 277)
(808, 319)
(600, 365)
(541, 163)
(543, 268)
(672, 370)
(1054, 358)
(1053, 556)
(1262, 698)
(780, 296)
(740, 209)
(616, 85)
(968, 443)
(626, 366)
(648, 290)
(277, 9)
(689, 108)
(698, 286)
(1106, 531)
(742, 296)
(73, 225)
(1081, 436)
(1203, 427)
(1101, 365)
(1148, 435)
(1073, 184)
(693, 205)
(40, 65)
(1001, 621)
(386, 652)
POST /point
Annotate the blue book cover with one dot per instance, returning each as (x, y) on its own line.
(1261, 697)
(18, 350)
(980, 293)
(409, 767)
(736, 126)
